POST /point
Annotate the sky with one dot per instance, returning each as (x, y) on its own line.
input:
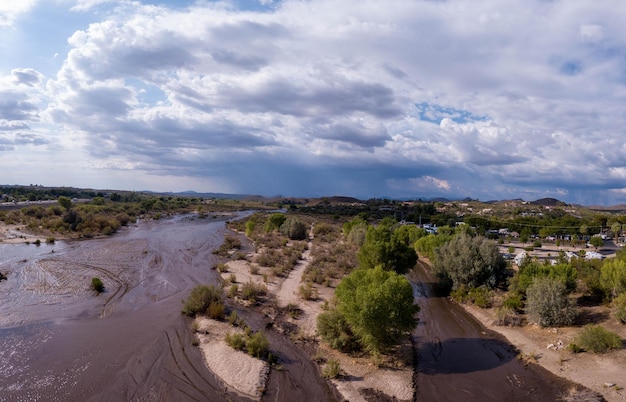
(404, 99)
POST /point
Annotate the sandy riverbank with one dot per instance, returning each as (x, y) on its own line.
(15, 234)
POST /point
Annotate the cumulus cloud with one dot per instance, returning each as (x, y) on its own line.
(10, 10)
(483, 98)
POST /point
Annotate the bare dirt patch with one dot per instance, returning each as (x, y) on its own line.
(603, 373)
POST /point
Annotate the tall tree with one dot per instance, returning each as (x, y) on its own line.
(469, 261)
(381, 247)
(378, 305)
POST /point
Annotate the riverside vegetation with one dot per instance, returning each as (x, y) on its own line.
(364, 260)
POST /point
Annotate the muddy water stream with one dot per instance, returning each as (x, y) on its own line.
(460, 360)
(61, 342)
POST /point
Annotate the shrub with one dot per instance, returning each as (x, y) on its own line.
(254, 269)
(619, 308)
(257, 345)
(307, 292)
(221, 268)
(233, 290)
(513, 302)
(233, 318)
(232, 278)
(332, 369)
(200, 298)
(216, 310)
(506, 316)
(596, 339)
(274, 222)
(335, 330)
(548, 304)
(470, 261)
(97, 285)
(294, 229)
(251, 291)
(236, 341)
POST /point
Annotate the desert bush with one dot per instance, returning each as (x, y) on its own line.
(597, 339)
(232, 278)
(293, 310)
(274, 222)
(236, 340)
(307, 292)
(326, 232)
(619, 308)
(250, 226)
(254, 269)
(581, 395)
(548, 304)
(97, 285)
(216, 310)
(506, 316)
(200, 298)
(335, 330)
(513, 302)
(294, 229)
(470, 261)
(332, 369)
(257, 345)
(221, 268)
(269, 258)
(481, 296)
(531, 270)
(251, 291)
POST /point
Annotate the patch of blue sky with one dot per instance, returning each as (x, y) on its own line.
(434, 113)
(39, 38)
(147, 93)
(254, 5)
(570, 68)
(171, 4)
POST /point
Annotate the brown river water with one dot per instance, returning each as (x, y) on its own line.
(61, 342)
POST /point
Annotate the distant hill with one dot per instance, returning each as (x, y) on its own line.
(548, 202)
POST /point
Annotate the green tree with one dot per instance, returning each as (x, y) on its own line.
(274, 222)
(596, 241)
(469, 261)
(616, 229)
(378, 305)
(531, 270)
(65, 202)
(381, 247)
(548, 303)
(294, 229)
(613, 277)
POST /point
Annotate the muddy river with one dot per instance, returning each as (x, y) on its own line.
(460, 360)
(61, 342)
